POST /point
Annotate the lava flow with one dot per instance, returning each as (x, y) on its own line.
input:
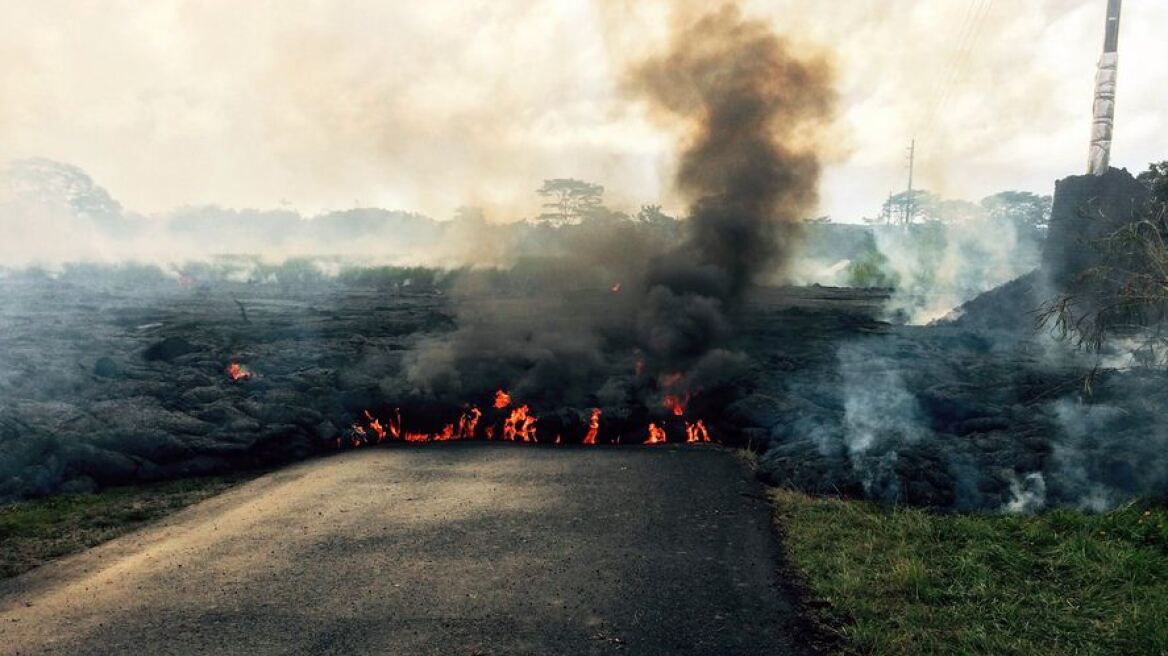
(518, 424)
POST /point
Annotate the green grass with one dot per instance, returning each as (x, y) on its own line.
(906, 581)
(33, 532)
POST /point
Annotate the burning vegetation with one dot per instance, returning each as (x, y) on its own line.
(518, 424)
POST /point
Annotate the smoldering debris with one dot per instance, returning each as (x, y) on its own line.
(967, 419)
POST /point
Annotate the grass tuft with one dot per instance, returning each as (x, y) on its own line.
(907, 581)
(33, 532)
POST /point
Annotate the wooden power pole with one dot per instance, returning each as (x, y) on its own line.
(1103, 111)
(908, 196)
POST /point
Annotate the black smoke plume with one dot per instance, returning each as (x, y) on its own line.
(751, 110)
(754, 112)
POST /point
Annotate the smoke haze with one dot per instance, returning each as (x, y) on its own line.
(428, 107)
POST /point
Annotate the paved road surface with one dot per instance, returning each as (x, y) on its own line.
(455, 550)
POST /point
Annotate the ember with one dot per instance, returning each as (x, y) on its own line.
(502, 399)
(237, 371)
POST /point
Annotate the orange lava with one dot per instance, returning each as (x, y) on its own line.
(520, 426)
(467, 423)
(237, 371)
(696, 432)
(593, 427)
(376, 427)
(656, 435)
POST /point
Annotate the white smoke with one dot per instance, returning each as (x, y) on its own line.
(880, 416)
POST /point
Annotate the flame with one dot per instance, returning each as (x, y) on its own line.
(593, 427)
(502, 400)
(467, 423)
(520, 425)
(395, 424)
(616, 288)
(676, 404)
(696, 432)
(446, 435)
(237, 371)
(656, 435)
(375, 425)
(416, 437)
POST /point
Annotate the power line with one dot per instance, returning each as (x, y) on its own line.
(980, 10)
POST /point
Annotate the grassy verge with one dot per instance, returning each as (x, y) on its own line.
(32, 532)
(905, 581)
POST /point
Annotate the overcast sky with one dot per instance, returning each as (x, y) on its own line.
(428, 106)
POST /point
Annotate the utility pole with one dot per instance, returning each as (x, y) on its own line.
(908, 196)
(1103, 111)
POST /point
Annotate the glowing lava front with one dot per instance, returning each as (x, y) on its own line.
(517, 424)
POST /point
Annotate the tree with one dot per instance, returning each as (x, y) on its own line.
(652, 215)
(1126, 294)
(1156, 180)
(1027, 211)
(920, 209)
(569, 200)
(954, 211)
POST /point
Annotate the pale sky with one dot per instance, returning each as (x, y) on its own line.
(319, 105)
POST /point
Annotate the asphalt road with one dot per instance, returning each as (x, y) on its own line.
(456, 549)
